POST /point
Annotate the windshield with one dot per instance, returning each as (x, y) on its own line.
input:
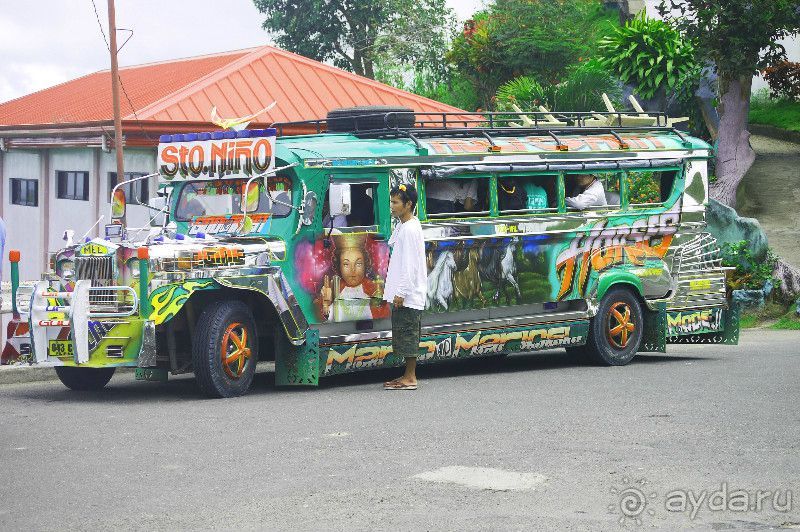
(224, 196)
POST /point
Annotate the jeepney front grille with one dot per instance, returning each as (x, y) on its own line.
(99, 270)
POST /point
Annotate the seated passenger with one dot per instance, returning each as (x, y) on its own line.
(588, 193)
(451, 195)
(511, 196)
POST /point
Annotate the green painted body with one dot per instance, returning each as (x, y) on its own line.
(499, 264)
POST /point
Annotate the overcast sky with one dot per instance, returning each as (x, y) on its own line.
(47, 42)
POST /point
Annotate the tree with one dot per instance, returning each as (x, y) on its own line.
(538, 38)
(356, 35)
(739, 37)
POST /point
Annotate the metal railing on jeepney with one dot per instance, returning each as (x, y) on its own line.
(487, 125)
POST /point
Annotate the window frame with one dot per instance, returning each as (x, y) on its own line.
(528, 212)
(442, 217)
(32, 200)
(671, 196)
(375, 182)
(67, 174)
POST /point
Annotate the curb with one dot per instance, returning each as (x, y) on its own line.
(775, 133)
(20, 374)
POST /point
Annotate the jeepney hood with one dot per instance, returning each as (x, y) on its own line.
(107, 263)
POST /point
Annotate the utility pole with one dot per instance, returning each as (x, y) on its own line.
(112, 34)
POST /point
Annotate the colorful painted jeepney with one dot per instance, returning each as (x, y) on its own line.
(277, 249)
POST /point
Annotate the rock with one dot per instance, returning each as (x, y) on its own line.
(797, 306)
(727, 226)
(749, 298)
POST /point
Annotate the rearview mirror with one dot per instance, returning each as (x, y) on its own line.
(339, 197)
(118, 205)
(309, 207)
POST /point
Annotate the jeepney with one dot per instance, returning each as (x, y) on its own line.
(271, 247)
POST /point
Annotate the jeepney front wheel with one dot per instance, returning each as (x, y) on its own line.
(616, 331)
(84, 379)
(225, 349)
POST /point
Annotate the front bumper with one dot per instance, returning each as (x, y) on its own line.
(87, 327)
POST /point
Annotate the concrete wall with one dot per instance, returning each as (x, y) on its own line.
(23, 224)
(26, 229)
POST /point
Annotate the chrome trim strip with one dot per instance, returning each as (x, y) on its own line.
(454, 327)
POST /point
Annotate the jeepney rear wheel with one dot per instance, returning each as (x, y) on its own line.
(225, 349)
(616, 331)
(84, 379)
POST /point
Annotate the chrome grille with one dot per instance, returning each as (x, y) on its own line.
(699, 274)
(99, 270)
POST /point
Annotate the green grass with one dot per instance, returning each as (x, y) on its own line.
(748, 321)
(784, 114)
(789, 321)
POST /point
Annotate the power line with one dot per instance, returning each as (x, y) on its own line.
(119, 78)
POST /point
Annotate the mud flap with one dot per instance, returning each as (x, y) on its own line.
(655, 330)
(728, 334)
(297, 365)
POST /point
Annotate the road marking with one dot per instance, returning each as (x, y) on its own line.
(484, 478)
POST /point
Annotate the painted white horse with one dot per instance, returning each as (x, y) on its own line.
(440, 280)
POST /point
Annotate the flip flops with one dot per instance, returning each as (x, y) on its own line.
(391, 385)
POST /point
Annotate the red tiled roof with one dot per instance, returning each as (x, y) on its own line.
(239, 83)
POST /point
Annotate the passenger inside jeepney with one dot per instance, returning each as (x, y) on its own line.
(445, 196)
(517, 194)
(585, 191)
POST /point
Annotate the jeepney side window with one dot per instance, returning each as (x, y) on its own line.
(647, 188)
(462, 197)
(362, 208)
(582, 193)
(522, 194)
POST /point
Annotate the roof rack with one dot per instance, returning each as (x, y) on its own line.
(494, 124)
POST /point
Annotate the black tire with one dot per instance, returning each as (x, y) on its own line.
(370, 117)
(217, 331)
(607, 347)
(84, 379)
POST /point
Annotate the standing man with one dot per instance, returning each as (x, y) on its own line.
(406, 284)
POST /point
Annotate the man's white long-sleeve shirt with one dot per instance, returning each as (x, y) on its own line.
(593, 196)
(408, 275)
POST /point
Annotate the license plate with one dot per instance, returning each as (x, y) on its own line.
(60, 348)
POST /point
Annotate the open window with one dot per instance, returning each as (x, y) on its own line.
(649, 188)
(526, 194)
(463, 197)
(592, 191)
(349, 206)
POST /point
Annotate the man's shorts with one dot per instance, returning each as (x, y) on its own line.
(405, 331)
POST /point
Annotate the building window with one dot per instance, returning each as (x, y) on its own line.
(25, 192)
(73, 185)
(138, 191)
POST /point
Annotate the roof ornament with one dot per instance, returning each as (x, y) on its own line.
(236, 124)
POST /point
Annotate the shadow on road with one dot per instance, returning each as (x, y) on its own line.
(183, 388)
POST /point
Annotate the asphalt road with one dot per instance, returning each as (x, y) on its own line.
(529, 442)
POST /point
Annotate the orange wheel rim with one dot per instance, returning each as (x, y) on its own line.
(235, 351)
(620, 326)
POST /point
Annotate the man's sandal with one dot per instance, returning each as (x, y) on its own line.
(399, 386)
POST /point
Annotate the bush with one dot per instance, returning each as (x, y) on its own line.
(581, 90)
(784, 80)
(750, 274)
(649, 54)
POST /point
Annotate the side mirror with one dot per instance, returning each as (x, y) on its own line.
(309, 208)
(250, 197)
(118, 205)
(340, 202)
